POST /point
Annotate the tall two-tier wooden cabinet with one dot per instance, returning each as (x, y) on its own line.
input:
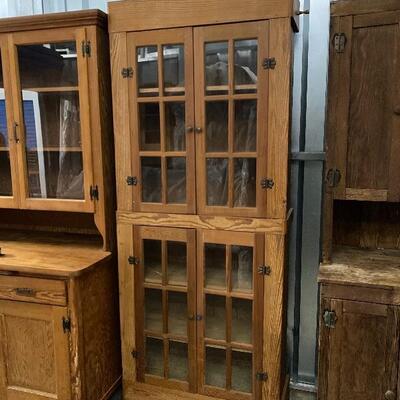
(201, 95)
(59, 325)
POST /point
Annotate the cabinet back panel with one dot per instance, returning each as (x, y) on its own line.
(371, 107)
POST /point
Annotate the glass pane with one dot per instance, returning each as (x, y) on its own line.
(153, 310)
(154, 357)
(245, 125)
(177, 313)
(215, 317)
(53, 144)
(216, 65)
(175, 126)
(176, 263)
(246, 66)
(215, 370)
(178, 361)
(48, 65)
(5, 167)
(147, 70)
(217, 126)
(174, 69)
(214, 260)
(242, 313)
(176, 180)
(242, 371)
(149, 117)
(152, 261)
(151, 179)
(217, 181)
(242, 268)
(245, 182)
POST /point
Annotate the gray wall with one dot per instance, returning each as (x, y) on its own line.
(309, 92)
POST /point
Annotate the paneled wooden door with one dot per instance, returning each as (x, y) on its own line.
(161, 107)
(34, 353)
(49, 71)
(165, 300)
(8, 156)
(364, 119)
(231, 94)
(359, 355)
(230, 293)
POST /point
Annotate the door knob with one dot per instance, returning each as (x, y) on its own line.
(189, 129)
(389, 395)
(198, 129)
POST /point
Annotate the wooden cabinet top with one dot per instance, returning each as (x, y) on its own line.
(138, 15)
(359, 267)
(54, 20)
(56, 255)
(353, 7)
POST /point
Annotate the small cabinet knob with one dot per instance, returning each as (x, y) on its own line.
(396, 110)
(198, 129)
(389, 395)
(189, 129)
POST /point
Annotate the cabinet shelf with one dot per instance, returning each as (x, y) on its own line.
(52, 89)
(55, 149)
(4, 149)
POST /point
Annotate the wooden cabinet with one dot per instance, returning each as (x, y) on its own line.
(58, 340)
(359, 328)
(364, 115)
(201, 120)
(55, 141)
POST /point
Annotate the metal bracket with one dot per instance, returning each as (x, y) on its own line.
(66, 325)
(261, 376)
(267, 183)
(264, 270)
(133, 260)
(330, 319)
(339, 42)
(269, 63)
(308, 156)
(127, 72)
(94, 193)
(131, 180)
(333, 177)
(86, 48)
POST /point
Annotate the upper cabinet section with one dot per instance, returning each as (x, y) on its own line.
(363, 142)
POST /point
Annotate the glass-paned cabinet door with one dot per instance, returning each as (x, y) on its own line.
(162, 120)
(230, 296)
(165, 306)
(8, 185)
(52, 124)
(231, 118)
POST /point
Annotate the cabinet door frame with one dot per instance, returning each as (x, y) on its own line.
(165, 234)
(49, 36)
(340, 100)
(256, 241)
(159, 38)
(13, 200)
(54, 315)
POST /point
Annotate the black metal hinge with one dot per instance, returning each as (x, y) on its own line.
(261, 376)
(267, 183)
(269, 63)
(135, 354)
(264, 270)
(133, 260)
(333, 177)
(131, 180)
(127, 72)
(66, 324)
(339, 42)
(330, 318)
(86, 48)
(94, 192)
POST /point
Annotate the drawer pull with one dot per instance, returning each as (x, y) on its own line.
(25, 292)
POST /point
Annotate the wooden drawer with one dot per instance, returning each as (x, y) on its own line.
(33, 290)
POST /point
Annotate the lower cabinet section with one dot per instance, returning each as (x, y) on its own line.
(200, 321)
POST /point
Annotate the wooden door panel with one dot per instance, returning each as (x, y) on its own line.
(34, 359)
(359, 355)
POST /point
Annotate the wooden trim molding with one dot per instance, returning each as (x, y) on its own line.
(351, 7)
(128, 15)
(56, 20)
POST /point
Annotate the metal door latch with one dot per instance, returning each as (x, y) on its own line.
(330, 319)
(339, 42)
(333, 177)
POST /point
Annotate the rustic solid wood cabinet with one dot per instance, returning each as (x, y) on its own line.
(201, 94)
(55, 119)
